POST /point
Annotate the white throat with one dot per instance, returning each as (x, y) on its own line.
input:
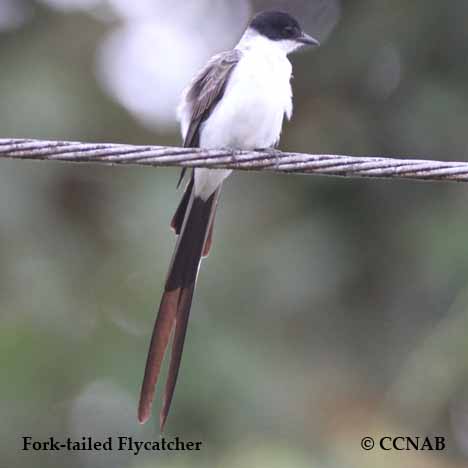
(255, 42)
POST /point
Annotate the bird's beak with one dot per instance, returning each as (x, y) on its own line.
(307, 40)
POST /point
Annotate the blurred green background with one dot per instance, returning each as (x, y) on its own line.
(329, 309)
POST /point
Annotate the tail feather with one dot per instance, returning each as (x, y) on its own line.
(184, 267)
(209, 237)
(179, 215)
(159, 341)
(177, 348)
(176, 302)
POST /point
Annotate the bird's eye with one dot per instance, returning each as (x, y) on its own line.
(289, 31)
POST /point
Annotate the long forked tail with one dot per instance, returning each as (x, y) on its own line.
(195, 218)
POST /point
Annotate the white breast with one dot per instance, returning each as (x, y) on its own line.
(250, 114)
(257, 97)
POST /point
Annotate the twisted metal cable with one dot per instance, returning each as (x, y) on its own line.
(270, 160)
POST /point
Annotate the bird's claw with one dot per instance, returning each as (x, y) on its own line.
(272, 152)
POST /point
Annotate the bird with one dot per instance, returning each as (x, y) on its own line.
(238, 100)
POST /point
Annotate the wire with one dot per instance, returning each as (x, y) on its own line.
(259, 160)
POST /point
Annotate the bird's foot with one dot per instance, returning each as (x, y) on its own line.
(272, 152)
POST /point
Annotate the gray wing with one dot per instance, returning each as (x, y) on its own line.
(206, 91)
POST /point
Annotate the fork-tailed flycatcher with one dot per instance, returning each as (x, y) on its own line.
(238, 100)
